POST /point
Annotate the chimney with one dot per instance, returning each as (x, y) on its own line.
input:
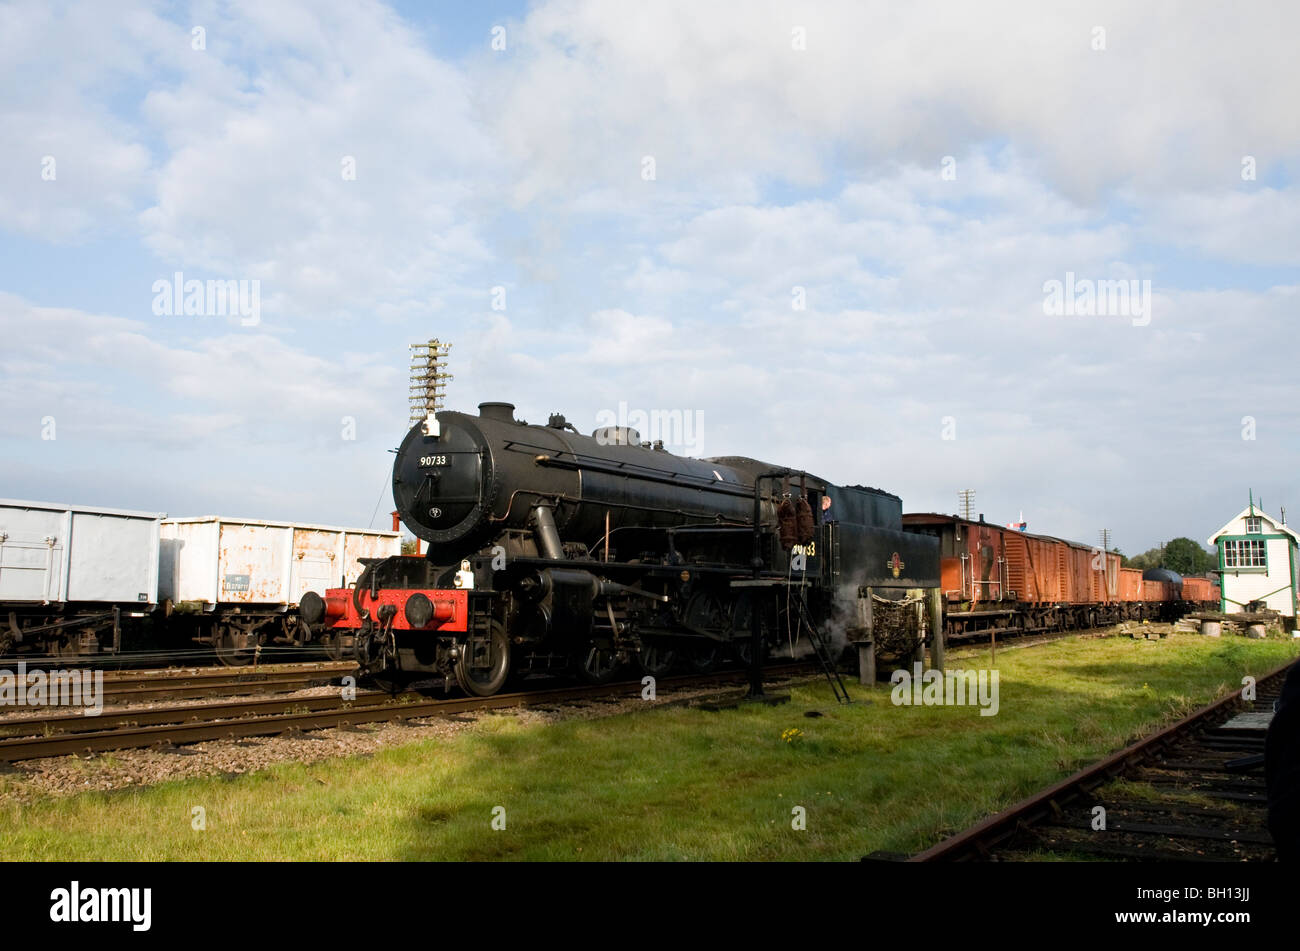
(501, 412)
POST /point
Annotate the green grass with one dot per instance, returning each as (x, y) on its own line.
(673, 783)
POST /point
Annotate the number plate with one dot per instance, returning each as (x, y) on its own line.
(430, 462)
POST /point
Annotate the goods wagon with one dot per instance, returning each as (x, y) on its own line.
(1034, 568)
(1202, 593)
(234, 582)
(997, 578)
(1080, 567)
(1130, 585)
(1105, 584)
(1162, 589)
(69, 574)
(1156, 591)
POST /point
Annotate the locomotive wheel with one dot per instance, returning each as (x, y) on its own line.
(488, 680)
(598, 665)
(742, 638)
(703, 658)
(386, 682)
(706, 611)
(656, 661)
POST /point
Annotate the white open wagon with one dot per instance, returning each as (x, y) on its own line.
(239, 581)
(70, 573)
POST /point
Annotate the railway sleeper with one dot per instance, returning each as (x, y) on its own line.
(1089, 844)
(1174, 831)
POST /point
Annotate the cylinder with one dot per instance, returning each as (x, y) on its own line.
(1256, 631)
(1211, 628)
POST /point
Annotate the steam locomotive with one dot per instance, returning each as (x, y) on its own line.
(553, 551)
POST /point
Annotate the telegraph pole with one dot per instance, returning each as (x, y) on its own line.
(429, 376)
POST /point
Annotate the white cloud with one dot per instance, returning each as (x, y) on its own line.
(105, 376)
(717, 93)
(1258, 226)
(255, 184)
(775, 168)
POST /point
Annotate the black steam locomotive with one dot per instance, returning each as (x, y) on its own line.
(549, 551)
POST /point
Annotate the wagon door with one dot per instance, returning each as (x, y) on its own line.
(253, 564)
(31, 556)
(359, 545)
(1019, 578)
(315, 553)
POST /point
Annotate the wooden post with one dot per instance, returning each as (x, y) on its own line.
(867, 663)
(867, 640)
(934, 601)
(918, 655)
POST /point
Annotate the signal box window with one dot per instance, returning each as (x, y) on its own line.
(1254, 525)
(1244, 553)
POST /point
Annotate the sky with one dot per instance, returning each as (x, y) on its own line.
(1048, 252)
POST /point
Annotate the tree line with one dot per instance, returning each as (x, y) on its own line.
(1183, 555)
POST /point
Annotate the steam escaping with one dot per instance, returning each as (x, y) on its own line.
(792, 640)
(895, 628)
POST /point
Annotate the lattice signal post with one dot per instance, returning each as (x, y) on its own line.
(966, 501)
(428, 377)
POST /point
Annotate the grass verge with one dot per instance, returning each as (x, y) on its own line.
(673, 783)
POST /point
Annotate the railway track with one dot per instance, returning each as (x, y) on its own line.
(178, 725)
(1189, 792)
(194, 682)
(62, 730)
(133, 686)
(1033, 635)
(1026, 640)
(144, 660)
